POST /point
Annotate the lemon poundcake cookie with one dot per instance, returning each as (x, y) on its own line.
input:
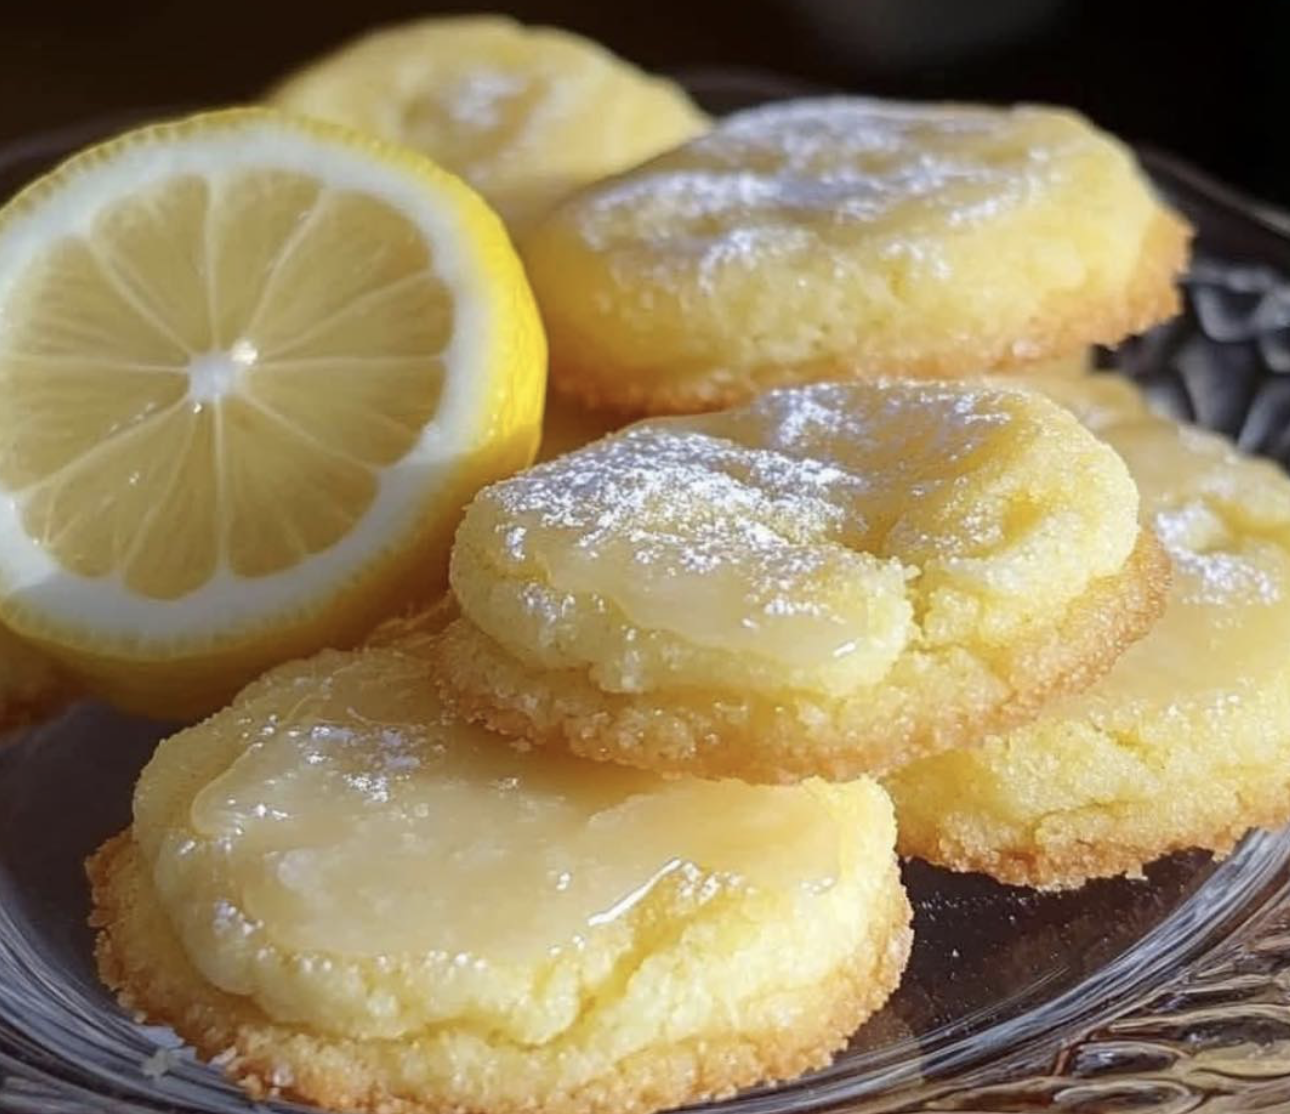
(846, 237)
(525, 114)
(1186, 742)
(253, 367)
(832, 580)
(347, 897)
(568, 424)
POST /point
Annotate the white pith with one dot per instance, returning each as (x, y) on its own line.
(212, 375)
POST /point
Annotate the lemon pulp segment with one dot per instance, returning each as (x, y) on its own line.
(242, 396)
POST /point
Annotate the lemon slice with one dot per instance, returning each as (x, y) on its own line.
(251, 368)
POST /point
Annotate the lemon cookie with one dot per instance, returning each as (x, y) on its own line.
(346, 897)
(1186, 742)
(832, 580)
(525, 114)
(846, 237)
(1100, 399)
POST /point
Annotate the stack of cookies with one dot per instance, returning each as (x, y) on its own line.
(884, 567)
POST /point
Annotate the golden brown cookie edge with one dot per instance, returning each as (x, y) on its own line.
(1151, 297)
(484, 683)
(254, 1052)
(1073, 864)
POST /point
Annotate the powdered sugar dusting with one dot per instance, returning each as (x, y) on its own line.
(480, 98)
(1211, 576)
(767, 491)
(1224, 518)
(802, 540)
(695, 502)
(813, 176)
(482, 119)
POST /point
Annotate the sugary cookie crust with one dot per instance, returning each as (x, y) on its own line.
(850, 237)
(140, 959)
(1067, 328)
(737, 735)
(1184, 744)
(1066, 864)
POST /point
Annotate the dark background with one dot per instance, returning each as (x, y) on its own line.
(1208, 81)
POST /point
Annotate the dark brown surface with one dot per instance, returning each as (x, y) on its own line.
(1204, 80)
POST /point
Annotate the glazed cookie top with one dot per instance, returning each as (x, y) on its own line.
(1225, 520)
(342, 851)
(525, 114)
(812, 542)
(846, 236)
(1197, 706)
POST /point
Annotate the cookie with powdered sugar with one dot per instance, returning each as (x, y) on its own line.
(525, 114)
(1183, 743)
(849, 237)
(832, 580)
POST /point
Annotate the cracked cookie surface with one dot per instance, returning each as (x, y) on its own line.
(829, 581)
(1185, 742)
(348, 897)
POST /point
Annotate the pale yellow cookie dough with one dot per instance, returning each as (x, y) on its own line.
(849, 237)
(832, 580)
(1186, 742)
(525, 114)
(349, 898)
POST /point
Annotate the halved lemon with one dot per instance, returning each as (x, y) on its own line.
(251, 368)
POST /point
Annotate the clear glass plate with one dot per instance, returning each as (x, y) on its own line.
(1168, 994)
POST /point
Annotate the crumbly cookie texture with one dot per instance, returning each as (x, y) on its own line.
(1185, 742)
(526, 115)
(848, 237)
(830, 581)
(345, 896)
